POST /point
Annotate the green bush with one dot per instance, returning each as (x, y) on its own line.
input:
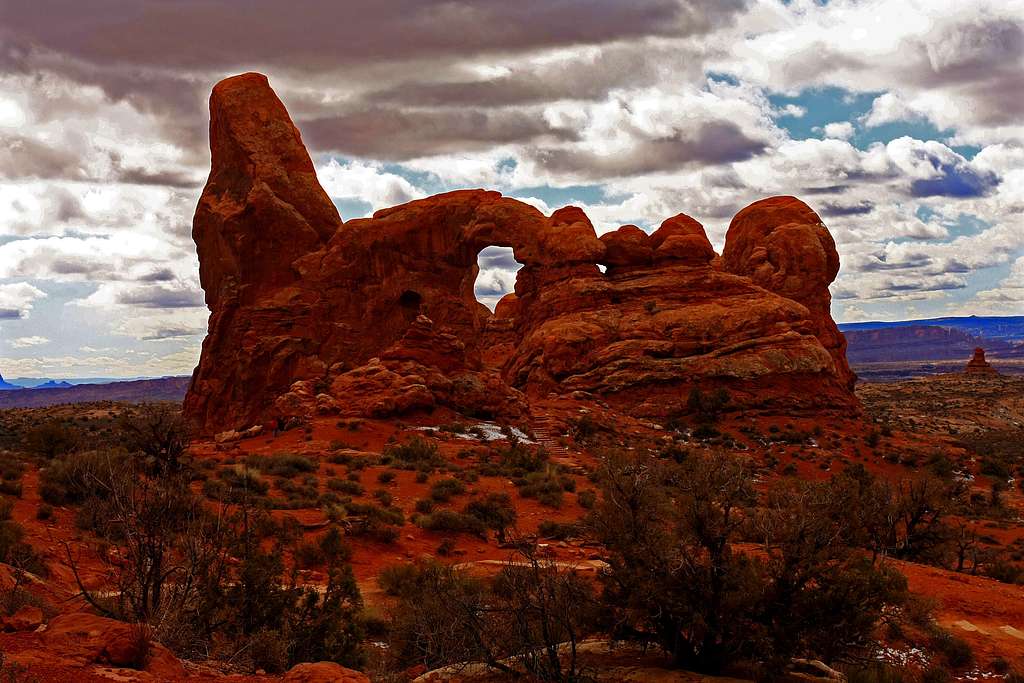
(449, 520)
(444, 490)
(281, 464)
(495, 511)
(351, 488)
(416, 451)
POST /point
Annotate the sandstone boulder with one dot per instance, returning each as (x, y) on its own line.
(90, 639)
(323, 672)
(28, 618)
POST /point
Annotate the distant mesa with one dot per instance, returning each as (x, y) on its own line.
(377, 316)
(978, 365)
(7, 386)
(54, 384)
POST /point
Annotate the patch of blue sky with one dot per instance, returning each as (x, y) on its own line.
(964, 225)
(353, 208)
(826, 105)
(557, 197)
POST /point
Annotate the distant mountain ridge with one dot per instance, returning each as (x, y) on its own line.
(1006, 328)
(139, 391)
(53, 384)
(935, 339)
(7, 386)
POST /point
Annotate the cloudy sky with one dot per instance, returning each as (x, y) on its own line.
(901, 122)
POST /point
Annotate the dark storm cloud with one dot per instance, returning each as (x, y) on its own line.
(584, 77)
(879, 262)
(24, 157)
(161, 297)
(957, 180)
(159, 275)
(10, 314)
(394, 134)
(714, 142)
(828, 189)
(29, 158)
(173, 331)
(225, 34)
(830, 209)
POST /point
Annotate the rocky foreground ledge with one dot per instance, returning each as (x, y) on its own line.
(377, 316)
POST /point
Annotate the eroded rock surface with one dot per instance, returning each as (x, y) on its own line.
(377, 316)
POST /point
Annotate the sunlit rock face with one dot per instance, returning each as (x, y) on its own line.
(377, 316)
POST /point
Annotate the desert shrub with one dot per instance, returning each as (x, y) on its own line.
(941, 465)
(585, 428)
(587, 499)
(518, 459)
(11, 471)
(676, 579)
(386, 477)
(13, 548)
(52, 439)
(444, 490)
(706, 407)
(449, 520)
(394, 578)
(241, 478)
(876, 672)
(936, 674)
(546, 486)
(77, 477)
(955, 650)
(158, 432)
(284, 465)
(12, 672)
(329, 547)
(1005, 571)
(415, 452)
(384, 497)
(350, 488)
(374, 522)
(495, 511)
(424, 506)
(44, 512)
(559, 531)
(533, 612)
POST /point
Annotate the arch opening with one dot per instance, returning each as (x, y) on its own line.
(496, 276)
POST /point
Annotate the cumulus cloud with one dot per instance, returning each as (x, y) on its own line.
(16, 300)
(842, 130)
(657, 106)
(28, 342)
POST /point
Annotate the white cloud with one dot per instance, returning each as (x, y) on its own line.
(16, 300)
(888, 108)
(841, 130)
(368, 182)
(26, 342)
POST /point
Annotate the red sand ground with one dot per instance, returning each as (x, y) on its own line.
(975, 608)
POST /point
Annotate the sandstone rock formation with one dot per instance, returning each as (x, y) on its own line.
(323, 672)
(89, 639)
(978, 365)
(377, 316)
